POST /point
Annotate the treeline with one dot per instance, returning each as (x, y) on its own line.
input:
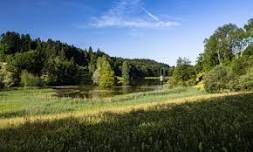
(225, 65)
(33, 62)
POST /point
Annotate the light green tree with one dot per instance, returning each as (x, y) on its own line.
(8, 76)
(107, 75)
(96, 74)
(104, 74)
(125, 73)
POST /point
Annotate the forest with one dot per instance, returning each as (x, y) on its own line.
(33, 62)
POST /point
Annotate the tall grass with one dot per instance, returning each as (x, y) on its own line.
(30, 102)
(222, 123)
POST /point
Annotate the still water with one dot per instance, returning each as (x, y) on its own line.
(91, 92)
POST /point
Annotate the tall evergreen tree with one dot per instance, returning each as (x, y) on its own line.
(10, 42)
(25, 42)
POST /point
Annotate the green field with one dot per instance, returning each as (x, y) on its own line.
(183, 119)
(30, 102)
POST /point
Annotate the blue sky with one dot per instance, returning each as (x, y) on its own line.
(161, 30)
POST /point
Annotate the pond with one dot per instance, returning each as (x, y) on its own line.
(90, 92)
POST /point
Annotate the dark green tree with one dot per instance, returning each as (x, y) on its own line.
(60, 72)
(10, 42)
(25, 42)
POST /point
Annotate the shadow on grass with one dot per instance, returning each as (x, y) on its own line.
(12, 114)
(218, 124)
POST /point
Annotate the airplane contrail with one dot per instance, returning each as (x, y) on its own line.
(151, 15)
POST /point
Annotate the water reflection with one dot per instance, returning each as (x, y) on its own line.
(95, 92)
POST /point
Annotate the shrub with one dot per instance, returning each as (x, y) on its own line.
(246, 81)
(183, 75)
(219, 79)
(172, 82)
(199, 82)
(29, 80)
(8, 76)
(240, 65)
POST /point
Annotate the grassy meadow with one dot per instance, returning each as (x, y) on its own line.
(183, 119)
(30, 102)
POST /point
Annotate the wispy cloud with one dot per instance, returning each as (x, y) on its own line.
(130, 14)
(151, 15)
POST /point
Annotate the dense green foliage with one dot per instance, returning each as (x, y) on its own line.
(225, 63)
(222, 46)
(58, 63)
(246, 81)
(183, 74)
(214, 124)
(58, 71)
(220, 78)
(229, 47)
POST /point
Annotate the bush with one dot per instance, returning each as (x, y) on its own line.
(219, 79)
(183, 75)
(240, 65)
(29, 80)
(172, 82)
(8, 76)
(246, 81)
(199, 83)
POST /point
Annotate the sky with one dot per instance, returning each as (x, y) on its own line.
(162, 30)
